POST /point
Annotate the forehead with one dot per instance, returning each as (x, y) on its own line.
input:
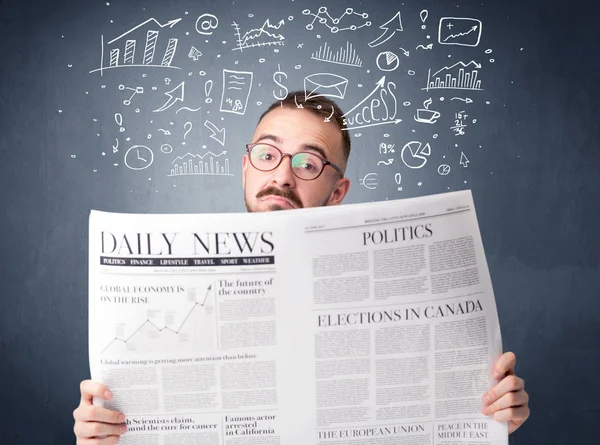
(296, 128)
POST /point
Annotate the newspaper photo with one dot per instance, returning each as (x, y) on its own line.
(358, 324)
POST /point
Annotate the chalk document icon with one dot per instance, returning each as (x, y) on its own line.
(236, 91)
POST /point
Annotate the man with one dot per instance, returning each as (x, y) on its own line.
(297, 159)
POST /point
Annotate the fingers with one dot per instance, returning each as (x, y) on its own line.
(111, 440)
(505, 365)
(515, 415)
(96, 425)
(91, 413)
(509, 400)
(90, 388)
(507, 384)
(97, 431)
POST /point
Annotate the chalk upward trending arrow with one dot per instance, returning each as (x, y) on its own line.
(172, 98)
(378, 85)
(170, 24)
(386, 30)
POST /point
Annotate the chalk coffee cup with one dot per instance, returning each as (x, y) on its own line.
(428, 116)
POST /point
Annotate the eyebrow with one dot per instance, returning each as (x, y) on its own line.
(277, 140)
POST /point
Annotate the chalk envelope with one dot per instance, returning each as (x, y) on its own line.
(325, 85)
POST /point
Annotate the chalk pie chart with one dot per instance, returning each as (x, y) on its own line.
(387, 61)
(415, 154)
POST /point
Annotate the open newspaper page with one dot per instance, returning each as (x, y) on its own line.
(396, 326)
(365, 323)
(187, 326)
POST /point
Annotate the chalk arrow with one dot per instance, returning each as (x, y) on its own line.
(467, 100)
(397, 121)
(328, 119)
(386, 30)
(463, 160)
(173, 97)
(405, 52)
(213, 128)
(378, 85)
(170, 24)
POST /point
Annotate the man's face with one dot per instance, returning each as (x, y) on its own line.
(294, 130)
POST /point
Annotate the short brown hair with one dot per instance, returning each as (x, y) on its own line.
(321, 106)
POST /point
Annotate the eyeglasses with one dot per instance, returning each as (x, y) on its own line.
(305, 165)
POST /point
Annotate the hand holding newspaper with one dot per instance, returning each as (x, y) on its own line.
(360, 324)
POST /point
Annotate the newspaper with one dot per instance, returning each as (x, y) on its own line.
(358, 324)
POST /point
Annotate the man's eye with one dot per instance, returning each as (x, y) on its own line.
(308, 166)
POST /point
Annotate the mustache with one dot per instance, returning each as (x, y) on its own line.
(287, 194)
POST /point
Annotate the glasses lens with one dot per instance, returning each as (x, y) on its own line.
(265, 157)
(306, 165)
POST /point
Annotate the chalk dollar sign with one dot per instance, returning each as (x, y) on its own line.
(277, 78)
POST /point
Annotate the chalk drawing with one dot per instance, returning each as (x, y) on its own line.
(425, 115)
(389, 29)
(378, 108)
(459, 76)
(194, 54)
(466, 100)
(444, 169)
(207, 164)
(414, 154)
(177, 94)
(425, 47)
(138, 157)
(187, 127)
(459, 123)
(330, 22)
(344, 56)
(136, 91)
(387, 61)
(216, 133)
(369, 181)
(463, 160)
(459, 31)
(236, 91)
(424, 14)
(206, 23)
(385, 149)
(207, 90)
(187, 109)
(325, 85)
(278, 79)
(115, 56)
(398, 179)
(258, 37)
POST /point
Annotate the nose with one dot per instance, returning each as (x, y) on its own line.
(283, 174)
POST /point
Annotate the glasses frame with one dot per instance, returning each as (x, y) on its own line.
(324, 161)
